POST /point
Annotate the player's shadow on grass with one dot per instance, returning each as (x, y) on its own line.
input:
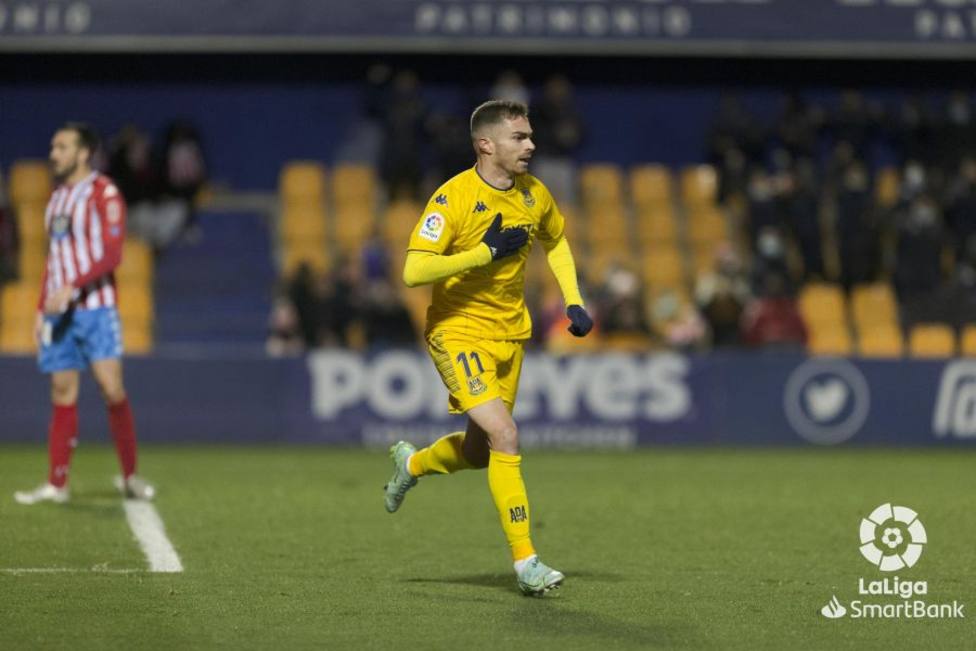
(105, 503)
(552, 616)
(506, 581)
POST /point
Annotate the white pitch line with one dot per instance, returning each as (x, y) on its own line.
(65, 570)
(149, 531)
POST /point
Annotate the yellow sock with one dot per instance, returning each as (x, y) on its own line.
(508, 491)
(443, 456)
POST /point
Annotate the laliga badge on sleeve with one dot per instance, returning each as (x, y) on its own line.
(432, 227)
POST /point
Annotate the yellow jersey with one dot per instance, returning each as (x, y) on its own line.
(485, 302)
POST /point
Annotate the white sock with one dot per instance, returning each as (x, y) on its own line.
(525, 561)
(407, 464)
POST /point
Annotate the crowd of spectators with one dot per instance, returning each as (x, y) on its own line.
(802, 191)
(357, 305)
(811, 204)
(160, 181)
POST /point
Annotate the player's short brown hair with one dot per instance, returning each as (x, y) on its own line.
(87, 138)
(494, 111)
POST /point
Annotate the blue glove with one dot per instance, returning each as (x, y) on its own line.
(504, 242)
(582, 323)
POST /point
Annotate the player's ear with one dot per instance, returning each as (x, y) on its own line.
(484, 145)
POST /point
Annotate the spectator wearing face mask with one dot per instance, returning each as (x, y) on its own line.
(920, 241)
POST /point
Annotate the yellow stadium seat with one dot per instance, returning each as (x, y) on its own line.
(399, 221)
(650, 185)
(31, 264)
(17, 336)
(30, 224)
(353, 227)
(30, 182)
(137, 262)
(932, 340)
(872, 304)
(19, 300)
(704, 254)
(628, 342)
(354, 184)
(707, 224)
(883, 341)
(302, 182)
(303, 222)
(822, 303)
(657, 224)
(572, 223)
(137, 339)
(829, 340)
(601, 183)
(663, 267)
(699, 186)
(968, 340)
(886, 185)
(136, 303)
(610, 230)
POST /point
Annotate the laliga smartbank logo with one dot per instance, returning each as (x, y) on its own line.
(892, 539)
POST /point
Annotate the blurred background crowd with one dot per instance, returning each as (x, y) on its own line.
(844, 215)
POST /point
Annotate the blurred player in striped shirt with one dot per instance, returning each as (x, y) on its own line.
(77, 320)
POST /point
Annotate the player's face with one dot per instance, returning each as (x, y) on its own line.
(66, 154)
(513, 145)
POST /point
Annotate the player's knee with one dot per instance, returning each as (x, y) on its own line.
(64, 390)
(505, 439)
(112, 392)
(64, 393)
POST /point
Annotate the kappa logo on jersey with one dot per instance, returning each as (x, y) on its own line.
(59, 225)
(441, 199)
(432, 227)
(480, 207)
(527, 198)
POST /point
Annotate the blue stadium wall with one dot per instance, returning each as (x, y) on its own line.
(255, 113)
(608, 400)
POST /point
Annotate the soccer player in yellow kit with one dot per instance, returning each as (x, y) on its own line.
(472, 243)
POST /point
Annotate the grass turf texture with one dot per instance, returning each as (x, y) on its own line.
(291, 548)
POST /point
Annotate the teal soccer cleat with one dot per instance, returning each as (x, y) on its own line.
(402, 481)
(536, 578)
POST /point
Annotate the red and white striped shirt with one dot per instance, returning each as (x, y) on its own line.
(85, 224)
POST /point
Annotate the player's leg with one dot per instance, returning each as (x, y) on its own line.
(469, 375)
(62, 435)
(505, 474)
(108, 376)
(59, 357)
(102, 345)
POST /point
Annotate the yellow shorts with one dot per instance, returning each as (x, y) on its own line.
(476, 370)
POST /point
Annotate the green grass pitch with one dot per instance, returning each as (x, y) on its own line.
(290, 548)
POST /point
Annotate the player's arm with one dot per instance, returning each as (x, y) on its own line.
(563, 266)
(559, 255)
(424, 267)
(111, 213)
(43, 297)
